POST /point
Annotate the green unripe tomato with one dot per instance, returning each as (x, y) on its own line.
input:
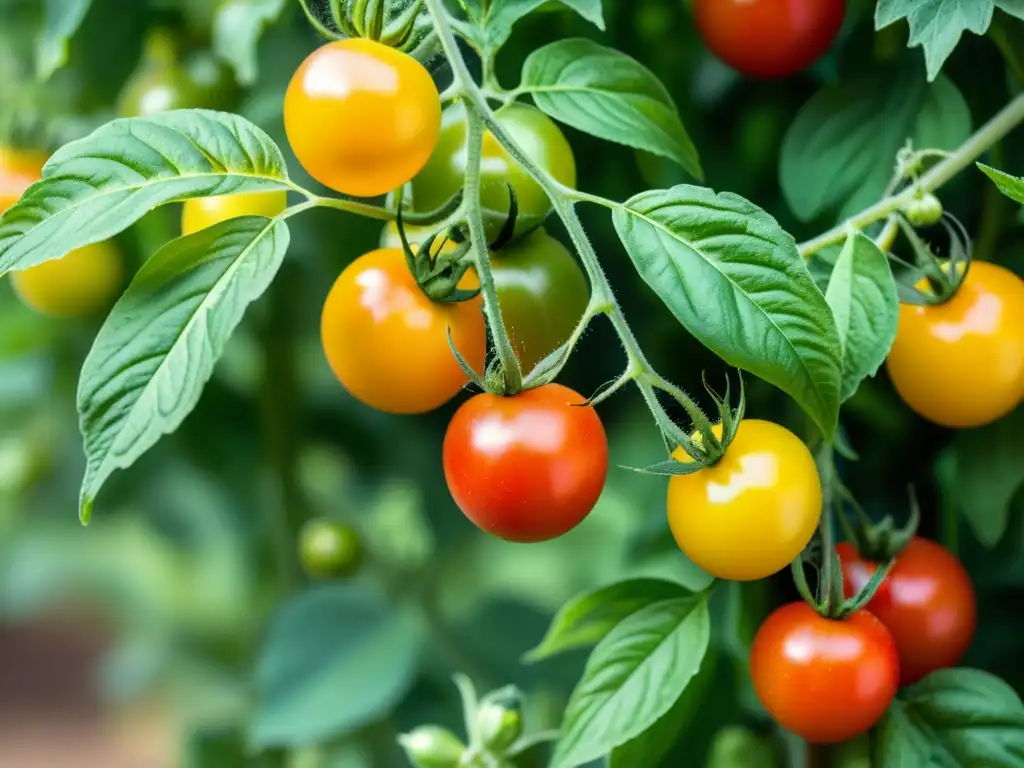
(537, 135)
(330, 549)
(923, 211)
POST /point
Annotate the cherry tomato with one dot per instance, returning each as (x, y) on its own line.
(542, 291)
(202, 212)
(330, 549)
(927, 602)
(822, 679)
(361, 117)
(388, 343)
(80, 283)
(526, 468)
(750, 514)
(924, 211)
(18, 171)
(536, 134)
(769, 38)
(961, 363)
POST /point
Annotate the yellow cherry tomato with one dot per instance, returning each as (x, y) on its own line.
(961, 363)
(388, 343)
(80, 283)
(751, 513)
(18, 171)
(203, 212)
(362, 118)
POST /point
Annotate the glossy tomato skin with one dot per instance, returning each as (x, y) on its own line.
(927, 602)
(750, 514)
(202, 212)
(18, 171)
(961, 364)
(526, 468)
(535, 133)
(362, 118)
(822, 679)
(388, 343)
(542, 290)
(78, 284)
(769, 38)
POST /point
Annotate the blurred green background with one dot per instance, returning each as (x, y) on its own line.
(139, 635)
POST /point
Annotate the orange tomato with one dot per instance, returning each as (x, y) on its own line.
(388, 343)
(202, 212)
(361, 117)
(961, 363)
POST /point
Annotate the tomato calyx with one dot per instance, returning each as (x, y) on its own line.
(400, 24)
(830, 602)
(508, 229)
(708, 441)
(883, 541)
(438, 276)
(933, 280)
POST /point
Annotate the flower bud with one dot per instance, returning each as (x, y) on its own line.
(430, 746)
(498, 727)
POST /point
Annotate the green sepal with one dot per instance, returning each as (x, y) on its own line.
(474, 377)
(508, 229)
(670, 467)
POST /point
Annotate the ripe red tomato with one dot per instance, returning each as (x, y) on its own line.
(961, 363)
(361, 117)
(824, 680)
(388, 343)
(529, 467)
(927, 601)
(769, 38)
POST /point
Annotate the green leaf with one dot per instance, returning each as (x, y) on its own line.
(651, 746)
(335, 659)
(1011, 186)
(863, 299)
(157, 349)
(61, 20)
(495, 25)
(840, 149)
(98, 186)
(588, 617)
(981, 471)
(734, 279)
(237, 28)
(936, 25)
(953, 718)
(633, 678)
(609, 95)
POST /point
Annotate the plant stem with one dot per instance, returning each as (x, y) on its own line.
(825, 470)
(647, 379)
(510, 369)
(995, 129)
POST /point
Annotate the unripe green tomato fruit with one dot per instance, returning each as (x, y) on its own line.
(924, 211)
(330, 549)
(537, 135)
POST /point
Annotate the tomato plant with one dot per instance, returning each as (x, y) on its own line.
(603, 317)
(927, 602)
(824, 679)
(529, 467)
(361, 117)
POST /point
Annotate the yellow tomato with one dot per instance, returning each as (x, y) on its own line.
(203, 212)
(751, 513)
(961, 363)
(80, 283)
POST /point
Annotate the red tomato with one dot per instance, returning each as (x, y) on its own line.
(529, 467)
(824, 680)
(769, 38)
(927, 602)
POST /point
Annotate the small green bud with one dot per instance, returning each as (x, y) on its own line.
(430, 746)
(923, 211)
(498, 727)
